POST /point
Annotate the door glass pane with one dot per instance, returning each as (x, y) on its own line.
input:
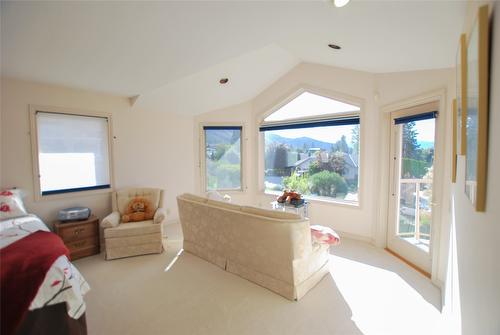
(407, 210)
(415, 183)
(425, 213)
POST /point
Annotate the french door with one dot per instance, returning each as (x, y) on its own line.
(411, 211)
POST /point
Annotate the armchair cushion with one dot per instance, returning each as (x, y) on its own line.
(110, 221)
(133, 229)
(160, 215)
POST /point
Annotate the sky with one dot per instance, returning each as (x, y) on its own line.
(425, 129)
(308, 104)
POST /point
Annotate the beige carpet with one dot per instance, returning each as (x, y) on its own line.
(367, 292)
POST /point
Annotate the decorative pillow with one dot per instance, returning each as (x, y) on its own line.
(214, 195)
(11, 204)
(325, 235)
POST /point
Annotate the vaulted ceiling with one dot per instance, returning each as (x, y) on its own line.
(172, 54)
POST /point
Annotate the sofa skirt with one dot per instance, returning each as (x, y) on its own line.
(287, 290)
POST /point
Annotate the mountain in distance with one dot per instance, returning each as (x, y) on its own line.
(299, 142)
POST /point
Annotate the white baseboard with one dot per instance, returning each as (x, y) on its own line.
(355, 237)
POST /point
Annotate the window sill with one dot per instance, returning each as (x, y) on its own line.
(322, 201)
(39, 197)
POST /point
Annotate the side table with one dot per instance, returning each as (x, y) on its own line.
(80, 237)
(302, 210)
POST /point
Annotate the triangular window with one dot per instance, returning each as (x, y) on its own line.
(309, 105)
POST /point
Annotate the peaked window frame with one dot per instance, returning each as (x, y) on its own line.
(312, 121)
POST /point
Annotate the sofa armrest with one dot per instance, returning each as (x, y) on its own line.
(304, 267)
(160, 215)
(111, 221)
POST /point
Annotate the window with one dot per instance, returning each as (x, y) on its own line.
(72, 152)
(223, 157)
(312, 147)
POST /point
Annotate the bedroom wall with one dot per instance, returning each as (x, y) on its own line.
(150, 149)
(238, 114)
(395, 87)
(356, 85)
(473, 295)
(352, 221)
(373, 91)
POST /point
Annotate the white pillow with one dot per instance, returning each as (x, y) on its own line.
(214, 195)
(11, 204)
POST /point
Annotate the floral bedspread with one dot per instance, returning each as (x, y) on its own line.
(62, 283)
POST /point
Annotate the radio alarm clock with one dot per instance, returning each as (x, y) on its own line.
(74, 213)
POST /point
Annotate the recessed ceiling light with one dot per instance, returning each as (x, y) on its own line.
(223, 81)
(340, 3)
(334, 46)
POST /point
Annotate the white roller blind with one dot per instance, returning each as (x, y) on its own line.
(73, 153)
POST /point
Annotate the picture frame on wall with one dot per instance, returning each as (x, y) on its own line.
(455, 140)
(461, 68)
(477, 110)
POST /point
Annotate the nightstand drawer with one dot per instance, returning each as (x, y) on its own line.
(78, 232)
(83, 252)
(83, 243)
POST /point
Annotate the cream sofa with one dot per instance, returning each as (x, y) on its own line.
(133, 238)
(270, 248)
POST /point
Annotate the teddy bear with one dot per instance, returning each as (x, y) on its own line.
(138, 209)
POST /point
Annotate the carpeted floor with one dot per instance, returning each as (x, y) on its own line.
(368, 291)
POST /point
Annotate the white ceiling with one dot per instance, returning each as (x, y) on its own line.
(163, 50)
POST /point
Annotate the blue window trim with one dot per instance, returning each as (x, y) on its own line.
(78, 189)
(222, 127)
(418, 117)
(313, 124)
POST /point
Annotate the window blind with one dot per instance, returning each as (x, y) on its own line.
(222, 128)
(417, 117)
(312, 124)
(73, 152)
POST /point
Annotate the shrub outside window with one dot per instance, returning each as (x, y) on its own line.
(223, 157)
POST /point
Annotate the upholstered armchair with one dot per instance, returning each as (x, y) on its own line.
(133, 238)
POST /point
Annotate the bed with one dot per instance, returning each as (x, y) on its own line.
(58, 306)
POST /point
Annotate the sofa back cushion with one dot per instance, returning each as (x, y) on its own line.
(224, 204)
(123, 197)
(192, 197)
(270, 213)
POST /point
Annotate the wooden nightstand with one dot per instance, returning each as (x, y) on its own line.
(81, 237)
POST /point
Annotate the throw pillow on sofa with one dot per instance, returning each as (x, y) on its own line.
(324, 235)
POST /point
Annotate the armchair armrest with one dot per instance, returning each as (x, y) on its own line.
(111, 221)
(160, 215)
